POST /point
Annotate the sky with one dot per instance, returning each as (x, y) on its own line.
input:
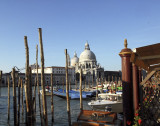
(68, 24)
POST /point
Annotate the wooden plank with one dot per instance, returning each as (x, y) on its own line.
(152, 61)
(149, 50)
(154, 67)
(149, 57)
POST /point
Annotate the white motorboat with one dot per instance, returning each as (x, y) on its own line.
(111, 102)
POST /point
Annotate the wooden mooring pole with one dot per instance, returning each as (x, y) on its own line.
(30, 96)
(63, 85)
(22, 97)
(35, 83)
(19, 94)
(34, 99)
(0, 81)
(43, 79)
(52, 107)
(8, 98)
(39, 98)
(75, 84)
(14, 97)
(81, 102)
(67, 91)
(92, 82)
(69, 84)
(102, 84)
(89, 84)
(97, 90)
(28, 114)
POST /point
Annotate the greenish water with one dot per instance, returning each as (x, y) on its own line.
(60, 109)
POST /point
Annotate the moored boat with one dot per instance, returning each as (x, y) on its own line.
(108, 102)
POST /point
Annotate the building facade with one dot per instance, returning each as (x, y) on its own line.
(59, 76)
(87, 62)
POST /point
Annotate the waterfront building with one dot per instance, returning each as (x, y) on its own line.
(59, 76)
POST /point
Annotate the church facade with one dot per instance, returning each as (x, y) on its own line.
(87, 62)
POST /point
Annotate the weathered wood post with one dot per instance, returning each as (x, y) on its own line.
(125, 55)
(116, 83)
(22, 97)
(102, 84)
(85, 86)
(19, 81)
(42, 78)
(52, 107)
(14, 97)
(39, 98)
(81, 102)
(34, 99)
(63, 85)
(30, 97)
(75, 84)
(67, 92)
(69, 84)
(27, 80)
(89, 84)
(35, 85)
(92, 81)
(135, 87)
(97, 90)
(8, 98)
(0, 81)
(108, 79)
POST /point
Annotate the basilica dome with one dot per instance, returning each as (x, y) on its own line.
(74, 60)
(87, 55)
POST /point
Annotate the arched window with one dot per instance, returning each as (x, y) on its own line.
(86, 65)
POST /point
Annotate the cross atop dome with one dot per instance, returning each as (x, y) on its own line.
(75, 54)
(87, 46)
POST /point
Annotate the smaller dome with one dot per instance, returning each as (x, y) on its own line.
(74, 60)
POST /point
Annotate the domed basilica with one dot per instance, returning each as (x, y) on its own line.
(87, 61)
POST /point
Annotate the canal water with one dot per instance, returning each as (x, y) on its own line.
(60, 109)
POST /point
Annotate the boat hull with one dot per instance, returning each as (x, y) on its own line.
(104, 106)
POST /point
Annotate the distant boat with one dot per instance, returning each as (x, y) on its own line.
(108, 95)
(47, 91)
(72, 94)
